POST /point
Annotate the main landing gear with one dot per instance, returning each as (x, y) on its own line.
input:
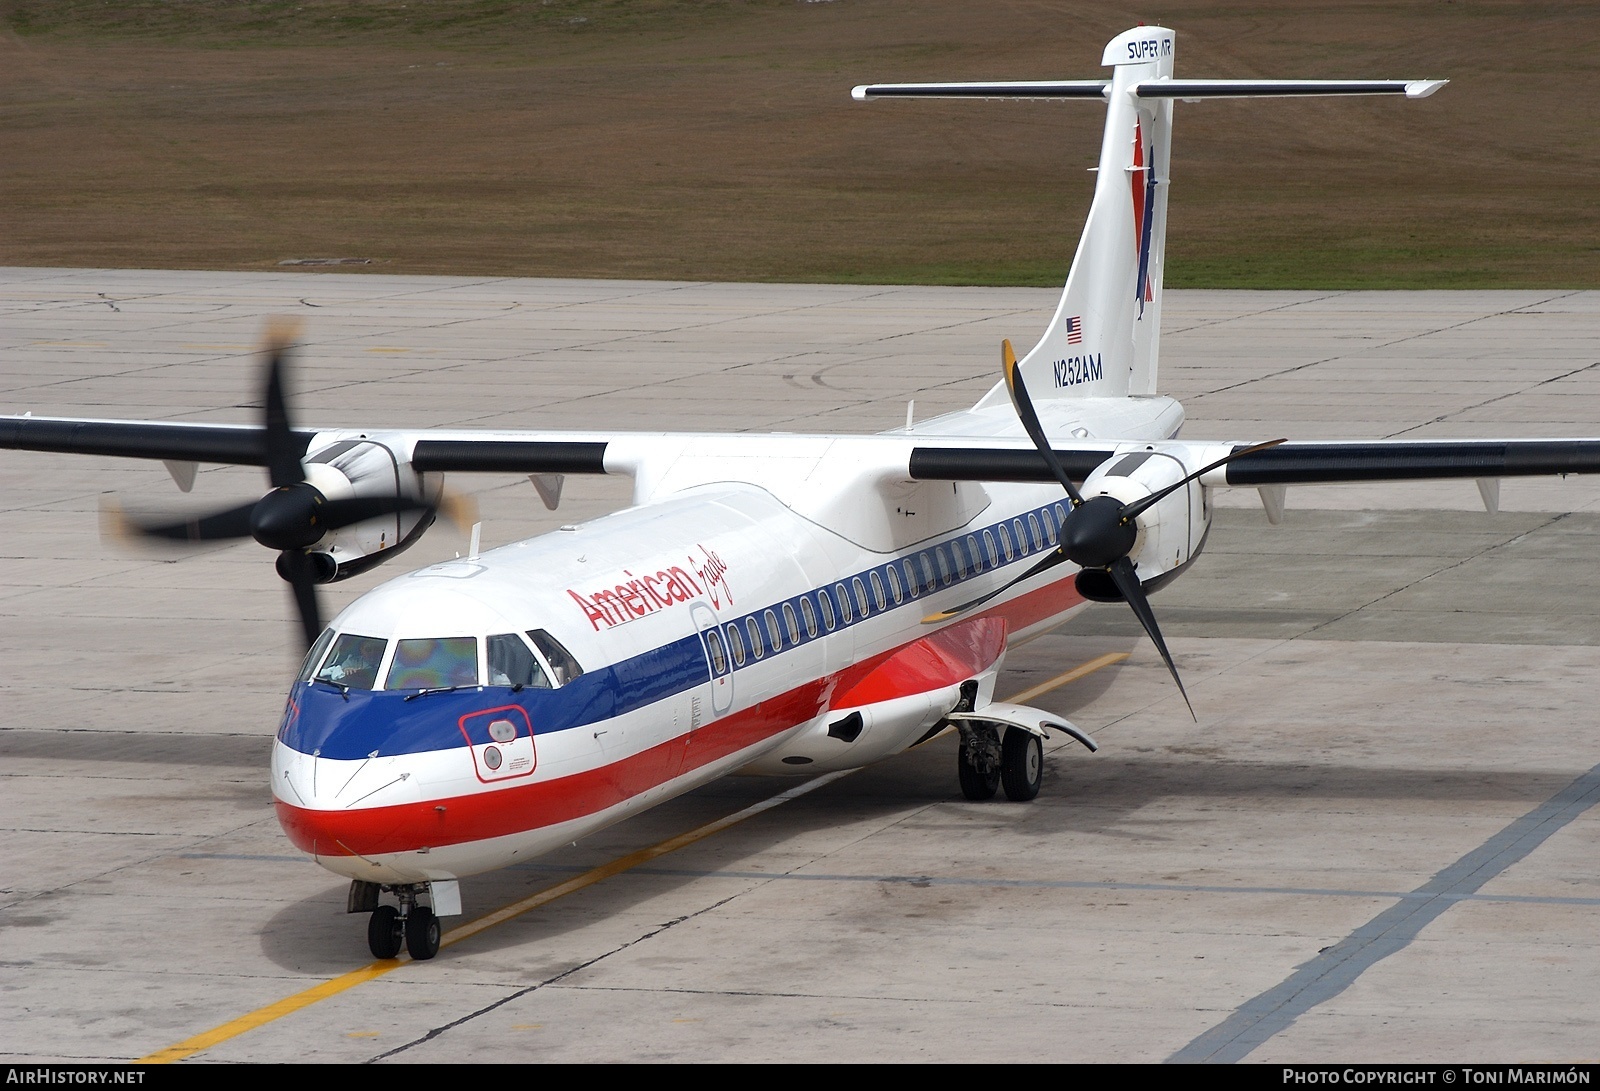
(410, 924)
(986, 762)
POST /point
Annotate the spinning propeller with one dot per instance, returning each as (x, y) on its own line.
(1099, 533)
(293, 516)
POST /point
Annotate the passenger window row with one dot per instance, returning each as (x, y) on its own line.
(823, 610)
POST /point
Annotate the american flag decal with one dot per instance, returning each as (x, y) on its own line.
(1074, 330)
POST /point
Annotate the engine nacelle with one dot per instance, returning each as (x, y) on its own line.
(1171, 532)
(351, 468)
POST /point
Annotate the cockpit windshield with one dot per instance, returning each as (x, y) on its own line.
(351, 661)
(314, 656)
(561, 662)
(354, 662)
(512, 664)
(434, 663)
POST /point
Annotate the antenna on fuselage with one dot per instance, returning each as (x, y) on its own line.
(477, 536)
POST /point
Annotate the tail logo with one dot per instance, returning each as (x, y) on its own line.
(1143, 180)
(1074, 330)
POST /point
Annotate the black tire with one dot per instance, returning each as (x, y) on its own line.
(422, 934)
(1021, 765)
(975, 786)
(385, 932)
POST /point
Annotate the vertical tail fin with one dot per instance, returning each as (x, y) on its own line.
(1105, 337)
(1104, 340)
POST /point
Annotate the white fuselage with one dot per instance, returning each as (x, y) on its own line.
(720, 625)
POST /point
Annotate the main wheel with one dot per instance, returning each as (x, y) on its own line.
(384, 932)
(975, 785)
(1021, 765)
(422, 933)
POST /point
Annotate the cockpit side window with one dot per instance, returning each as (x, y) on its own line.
(434, 663)
(354, 661)
(561, 662)
(512, 664)
(314, 656)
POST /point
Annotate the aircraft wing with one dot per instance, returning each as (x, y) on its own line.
(927, 458)
(1304, 463)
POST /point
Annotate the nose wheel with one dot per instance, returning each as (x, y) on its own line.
(422, 934)
(415, 927)
(385, 932)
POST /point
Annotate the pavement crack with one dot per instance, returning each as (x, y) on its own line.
(1554, 519)
(536, 986)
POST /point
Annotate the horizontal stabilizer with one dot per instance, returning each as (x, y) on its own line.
(1193, 90)
(1090, 89)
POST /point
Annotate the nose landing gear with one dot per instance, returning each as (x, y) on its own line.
(413, 925)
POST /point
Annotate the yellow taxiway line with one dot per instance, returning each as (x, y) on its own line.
(1083, 669)
(334, 986)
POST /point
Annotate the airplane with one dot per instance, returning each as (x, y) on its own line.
(767, 604)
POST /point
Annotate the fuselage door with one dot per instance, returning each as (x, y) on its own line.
(715, 647)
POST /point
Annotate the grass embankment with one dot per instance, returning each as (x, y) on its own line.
(716, 140)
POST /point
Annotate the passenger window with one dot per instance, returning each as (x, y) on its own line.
(877, 590)
(790, 624)
(844, 601)
(861, 597)
(1005, 541)
(434, 662)
(1022, 539)
(927, 572)
(1033, 531)
(719, 658)
(911, 579)
(562, 665)
(972, 551)
(736, 642)
(512, 664)
(809, 613)
(826, 602)
(894, 584)
(1049, 525)
(314, 656)
(754, 630)
(988, 547)
(354, 662)
(944, 566)
(772, 630)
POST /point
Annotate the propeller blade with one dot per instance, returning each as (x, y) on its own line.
(1127, 581)
(460, 510)
(297, 569)
(219, 526)
(283, 464)
(1030, 419)
(1132, 511)
(1053, 558)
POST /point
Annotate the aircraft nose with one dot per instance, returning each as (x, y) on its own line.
(351, 808)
